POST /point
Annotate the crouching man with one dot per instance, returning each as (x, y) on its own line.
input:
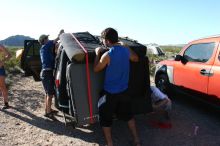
(162, 106)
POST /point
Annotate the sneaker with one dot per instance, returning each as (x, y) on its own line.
(6, 106)
(50, 116)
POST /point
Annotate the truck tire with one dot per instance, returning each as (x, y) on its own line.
(162, 82)
(36, 77)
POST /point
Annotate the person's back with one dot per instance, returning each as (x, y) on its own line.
(160, 100)
(117, 72)
(47, 56)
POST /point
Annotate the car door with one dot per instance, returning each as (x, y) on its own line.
(214, 80)
(30, 59)
(193, 72)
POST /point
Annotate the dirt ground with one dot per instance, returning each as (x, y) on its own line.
(24, 124)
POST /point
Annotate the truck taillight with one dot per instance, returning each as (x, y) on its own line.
(57, 82)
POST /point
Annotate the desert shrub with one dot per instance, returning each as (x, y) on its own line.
(12, 66)
(154, 59)
(171, 49)
(170, 52)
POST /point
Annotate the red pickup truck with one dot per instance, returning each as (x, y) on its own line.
(195, 71)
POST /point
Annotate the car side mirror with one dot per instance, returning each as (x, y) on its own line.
(178, 58)
(181, 58)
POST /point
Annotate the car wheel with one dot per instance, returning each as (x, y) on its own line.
(36, 77)
(162, 82)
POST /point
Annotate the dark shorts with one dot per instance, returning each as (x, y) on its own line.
(2, 71)
(110, 104)
(47, 79)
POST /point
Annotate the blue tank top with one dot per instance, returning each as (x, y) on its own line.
(117, 72)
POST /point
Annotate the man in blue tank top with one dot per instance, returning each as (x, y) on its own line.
(47, 56)
(115, 99)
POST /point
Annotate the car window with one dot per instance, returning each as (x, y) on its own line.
(33, 49)
(199, 52)
(129, 41)
(159, 50)
(86, 37)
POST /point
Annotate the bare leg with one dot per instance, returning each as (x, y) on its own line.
(4, 89)
(45, 101)
(49, 103)
(48, 109)
(108, 135)
(133, 129)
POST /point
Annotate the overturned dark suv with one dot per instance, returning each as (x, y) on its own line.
(77, 85)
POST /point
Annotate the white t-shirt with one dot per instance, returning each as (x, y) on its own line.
(157, 95)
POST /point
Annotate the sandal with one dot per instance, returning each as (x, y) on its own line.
(54, 111)
(50, 116)
(6, 106)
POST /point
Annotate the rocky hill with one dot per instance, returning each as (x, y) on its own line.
(17, 40)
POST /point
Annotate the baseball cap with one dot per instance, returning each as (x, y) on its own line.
(42, 38)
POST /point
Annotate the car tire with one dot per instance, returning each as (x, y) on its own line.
(162, 83)
(36, 77)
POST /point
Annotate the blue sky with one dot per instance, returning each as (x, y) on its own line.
(148, 21)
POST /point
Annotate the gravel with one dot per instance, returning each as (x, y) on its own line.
(24, 124)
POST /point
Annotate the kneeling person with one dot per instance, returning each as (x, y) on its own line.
(161, 106)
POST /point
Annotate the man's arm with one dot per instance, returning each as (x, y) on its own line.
(133, 56)
(101, 61)
(161, 103)
(58, 37)
(7, 54)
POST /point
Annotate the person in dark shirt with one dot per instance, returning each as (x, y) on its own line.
(115, 98)
(47, 56)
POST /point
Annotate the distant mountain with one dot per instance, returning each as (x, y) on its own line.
(17, 40)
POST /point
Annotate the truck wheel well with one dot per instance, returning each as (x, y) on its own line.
(162, 82)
